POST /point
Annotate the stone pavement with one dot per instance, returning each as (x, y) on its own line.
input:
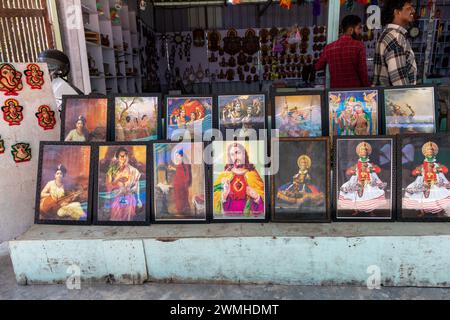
(155, 291)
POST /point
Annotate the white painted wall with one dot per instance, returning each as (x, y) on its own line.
(18, 181)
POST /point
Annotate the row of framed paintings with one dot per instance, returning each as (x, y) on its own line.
(349, 112)
(375, 178)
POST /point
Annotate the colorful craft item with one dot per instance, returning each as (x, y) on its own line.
(12, 112)
(10, 79)
(21, 152)
(2, 145)
(287, 4)
(46, 117)
(34, 76)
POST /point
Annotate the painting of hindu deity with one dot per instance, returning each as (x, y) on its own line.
(353, 113)
(179, 182)
(298, 115)
(300, 187)
(364, 178)
(243, 115)
(188, 114)
(84, 119)
(136, 118)
(425, 191)
(63, 188)
(410, 110)
(239, 186)
(121, 184)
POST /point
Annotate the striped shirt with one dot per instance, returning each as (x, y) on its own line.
(394, 61)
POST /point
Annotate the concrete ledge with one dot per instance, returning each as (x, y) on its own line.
(405, 254)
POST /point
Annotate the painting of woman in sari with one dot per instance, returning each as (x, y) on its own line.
(122, 183)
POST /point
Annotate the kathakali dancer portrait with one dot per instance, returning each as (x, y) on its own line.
(364, 169)
(353, 113)
(298, 115)
(410, 110)
(425, 184)
(239, 180)
(245, 115)
(300, 180)
(85, 119)
(121, 183)
(64, 184)
(136, 118)
(192, 114)
(179, 182)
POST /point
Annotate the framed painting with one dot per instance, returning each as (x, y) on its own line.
(353, 112)
(121, 184)
(64, 184)
(180, 182)
(84, 119)
(242, 115)
(409, 110)
(423, 162)
(299, 114)
(300, 187)
(136, 117)
(364, 178)
(240, 187)
(193, 114)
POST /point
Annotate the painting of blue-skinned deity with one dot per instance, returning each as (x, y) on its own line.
(298, 115)
(192, 114)
(353, 113)
(300, 180)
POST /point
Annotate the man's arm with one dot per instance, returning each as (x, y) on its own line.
(362, 67)
(395, 57)
(322, 62)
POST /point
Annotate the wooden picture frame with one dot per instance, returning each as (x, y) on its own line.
(62, 208)
(322, 131)
(159, 111)
(162, 187)
(433, 201)
(409, 112)
(136, 169)
(370, 196)
(239, 122)
(72, 114)
(210, 118)
(358, 103)
(259, 174)
(313, 193)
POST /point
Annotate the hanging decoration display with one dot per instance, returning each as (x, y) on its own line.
(287, 4)
(10, 79)
(21, 152)
(12, 112)
(34, 76)
(46, 117)
(2, 145)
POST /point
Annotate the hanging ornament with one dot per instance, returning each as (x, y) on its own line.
(287, 4)
(349, 4)
(46, 117)
(34, 76)
(233, 2)
(187, 47)
(343, 2)
(21, 152)
(2, 145)
(10, 79)
(12, 112)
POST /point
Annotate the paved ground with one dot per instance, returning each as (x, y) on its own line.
(10, 290)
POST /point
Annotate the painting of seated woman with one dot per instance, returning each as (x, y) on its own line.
(64, 183)
(300, 184)
(85, 119)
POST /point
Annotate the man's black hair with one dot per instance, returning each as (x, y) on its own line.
(387, 12)
(350, 21)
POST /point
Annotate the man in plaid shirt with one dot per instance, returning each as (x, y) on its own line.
(394, 61)
(346, 57)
